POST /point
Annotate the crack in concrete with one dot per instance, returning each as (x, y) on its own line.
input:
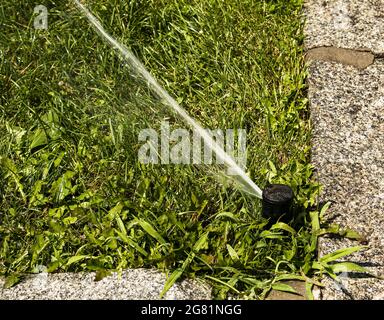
(360, 59)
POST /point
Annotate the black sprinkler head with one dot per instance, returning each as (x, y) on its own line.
(277, 202)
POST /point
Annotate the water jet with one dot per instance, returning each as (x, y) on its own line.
(140, 71)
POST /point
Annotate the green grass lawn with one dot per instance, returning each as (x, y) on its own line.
(73, 196)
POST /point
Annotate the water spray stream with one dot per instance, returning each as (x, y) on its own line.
(247, 184)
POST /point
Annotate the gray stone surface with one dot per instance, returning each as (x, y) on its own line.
(350, 24)
(347, 110)
(134, 284)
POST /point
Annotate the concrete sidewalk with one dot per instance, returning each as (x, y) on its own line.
(345, 44)
(134, 284)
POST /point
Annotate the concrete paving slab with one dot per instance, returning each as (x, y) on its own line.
(134, 284)
(349, 24)
(347, 111)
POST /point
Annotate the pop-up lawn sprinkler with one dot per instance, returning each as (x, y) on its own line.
(277, 203)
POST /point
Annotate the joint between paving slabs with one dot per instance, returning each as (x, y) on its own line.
(360, 59)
